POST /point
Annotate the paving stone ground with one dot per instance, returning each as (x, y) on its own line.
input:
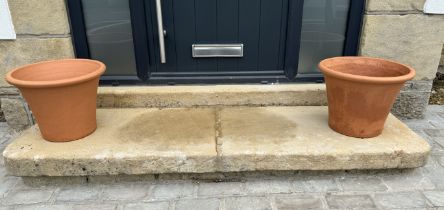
(421, 188)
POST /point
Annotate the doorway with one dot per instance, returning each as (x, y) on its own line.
(214, 41)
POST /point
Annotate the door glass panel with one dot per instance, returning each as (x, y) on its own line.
(109, 33)
(324, 26)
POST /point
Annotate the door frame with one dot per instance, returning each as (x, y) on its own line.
(145, 62)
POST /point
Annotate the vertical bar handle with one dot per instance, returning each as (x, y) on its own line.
(160, 31)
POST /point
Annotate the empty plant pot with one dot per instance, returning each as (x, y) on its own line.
(361, 91)
(62, 96)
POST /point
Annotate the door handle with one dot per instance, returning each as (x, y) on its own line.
(160, 31)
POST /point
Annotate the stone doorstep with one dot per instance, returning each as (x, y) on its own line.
(211, 95)
(218, 139)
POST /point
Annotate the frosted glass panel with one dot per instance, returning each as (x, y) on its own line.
(108, 28)
(324, 25)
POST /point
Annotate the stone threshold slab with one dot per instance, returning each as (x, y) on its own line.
(218, 139)
(212, 95)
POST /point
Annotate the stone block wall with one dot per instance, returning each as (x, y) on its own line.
(43, 33)
(399, 30)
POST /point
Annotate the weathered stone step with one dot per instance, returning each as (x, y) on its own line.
(217, 139)
(212, 95)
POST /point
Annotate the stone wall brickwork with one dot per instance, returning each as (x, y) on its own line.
(27, 50)
(412, 39)
(398, 30)
(38, 17)
(43, 33)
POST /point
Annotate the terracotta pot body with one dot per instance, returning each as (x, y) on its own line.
(361, 92)
(62, 96)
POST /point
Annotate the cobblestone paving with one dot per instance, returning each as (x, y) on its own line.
(421, 188)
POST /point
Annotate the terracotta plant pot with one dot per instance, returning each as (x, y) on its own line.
(62, 96)
(361, 91)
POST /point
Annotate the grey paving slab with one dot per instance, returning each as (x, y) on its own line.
(440, 160)
(437, 121)
(173, 190)
(147, 206)
(44, 207)
(435, 197)
(288, 202)
(439, 140)
(435, 172)
(207, 204)
(79, 193)
(6, 185)
(125, 192)
(268, 186)
(408, 180)
(221, 189)
(28, 196)
(247, 203)
(103, 206)
(299, 185)
(3, 172)
(436, 145)
(350, 202)
(436, 132)
(401, 200)
(362, 183)
(322, 184)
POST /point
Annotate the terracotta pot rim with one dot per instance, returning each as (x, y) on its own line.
(367, 79)
(59, 82)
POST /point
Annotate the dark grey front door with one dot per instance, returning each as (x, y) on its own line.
(283, 40)
(261, 27)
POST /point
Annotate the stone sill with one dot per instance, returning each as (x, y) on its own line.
(218, 139)
(212, 95)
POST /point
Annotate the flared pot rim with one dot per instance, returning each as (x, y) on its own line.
(329, 71)
(21, 83)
